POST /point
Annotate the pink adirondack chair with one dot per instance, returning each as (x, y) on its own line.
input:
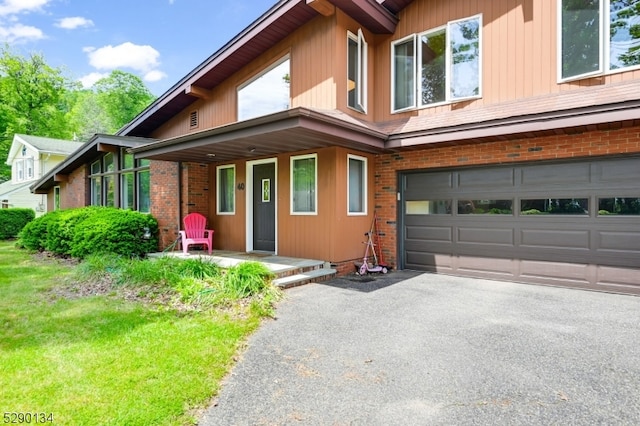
(195, 232)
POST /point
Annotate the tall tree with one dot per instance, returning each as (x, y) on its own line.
(122, 96)
(32, 101)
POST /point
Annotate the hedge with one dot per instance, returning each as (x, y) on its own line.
(13, 220)
(90, 230)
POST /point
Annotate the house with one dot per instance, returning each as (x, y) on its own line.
(30, 157)
(493, 139)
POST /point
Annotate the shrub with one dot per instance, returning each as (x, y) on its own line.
(246, 279)
(89, 230)
(13, 220)
(110, 230)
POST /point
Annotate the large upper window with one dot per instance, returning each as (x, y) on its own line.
(598, 36)
(357, 71)
(437, 66)
(266, 93)
(304, 178)
(120, 181)
(226, 194)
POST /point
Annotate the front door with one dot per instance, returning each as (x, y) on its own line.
(264, 207)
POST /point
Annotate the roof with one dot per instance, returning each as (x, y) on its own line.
(278, 22)
(85, 153)
(42, 145)
(8, 188)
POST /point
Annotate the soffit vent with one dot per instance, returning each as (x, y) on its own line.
(193, 119)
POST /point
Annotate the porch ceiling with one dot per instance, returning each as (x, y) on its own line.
(292, 130)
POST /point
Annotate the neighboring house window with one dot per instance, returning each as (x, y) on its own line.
(120, 182)
(29, 167)
(597, 36)
(437, 66)
(266, 93)
(19, 170)
(56, 198)
(357, 186)
(304, 178)
(357, 71)
(226, 194)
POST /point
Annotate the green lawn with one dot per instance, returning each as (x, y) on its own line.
(101, 359)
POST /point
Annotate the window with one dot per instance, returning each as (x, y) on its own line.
(437, 66)
(357, 187)
(485, 206)
(357, 71)
(304, 178)
(598, 36)
(120, 181)
(29, 167)
(619, 206)
(564, 206)
(265, 94)
(56, 198)
(19, 170)
(425, 207)
(226, 194)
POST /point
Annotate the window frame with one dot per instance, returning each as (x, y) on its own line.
(56, 197)
(219, 190)
(19, 170)
(604, 45)
(417, 103)
(363, 189)
(292, 161)
(361, 70)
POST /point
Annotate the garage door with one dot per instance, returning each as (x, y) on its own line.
(571, 224)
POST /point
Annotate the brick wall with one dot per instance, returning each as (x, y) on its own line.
(584, 145)
(165, 195)
(75, 192)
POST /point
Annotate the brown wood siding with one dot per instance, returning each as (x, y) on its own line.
(230, 229)
(312, 55)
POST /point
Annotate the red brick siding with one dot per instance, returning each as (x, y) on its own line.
(584, 145)
(75, 192)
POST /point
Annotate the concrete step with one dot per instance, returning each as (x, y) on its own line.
(314, 275)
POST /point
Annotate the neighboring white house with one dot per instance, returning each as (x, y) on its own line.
(30, 158)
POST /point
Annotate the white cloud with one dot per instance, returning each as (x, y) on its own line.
(73, 22)
(12, 7)
(154, 75)
(125, 55)
(19, 33)
(90, 79)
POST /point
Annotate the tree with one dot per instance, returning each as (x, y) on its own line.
(122, 96)
(32, 101)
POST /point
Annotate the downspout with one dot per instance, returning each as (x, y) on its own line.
(179, 193)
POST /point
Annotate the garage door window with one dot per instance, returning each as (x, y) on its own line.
(619, 206)
(485, 206)
(428, 207)
(569, 206)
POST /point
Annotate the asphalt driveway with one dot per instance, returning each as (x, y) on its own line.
(424, 349)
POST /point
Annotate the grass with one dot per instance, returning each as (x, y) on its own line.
(101, 359)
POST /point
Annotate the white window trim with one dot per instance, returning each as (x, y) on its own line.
(20, 175)
(291, 185)
(361, 71)
(417, 54)
(365, 183)
(218, 170)
(604, 50)
(29, 172)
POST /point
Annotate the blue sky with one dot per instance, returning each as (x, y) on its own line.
(158, 40)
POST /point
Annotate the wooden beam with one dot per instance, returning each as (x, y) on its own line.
(323, 7)
(104, 147)
(197, 91)
(57, 177)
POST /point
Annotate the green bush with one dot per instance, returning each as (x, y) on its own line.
(246, 279)
(12, 221)
(89, 230)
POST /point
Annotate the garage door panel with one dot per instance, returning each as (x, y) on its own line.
(490, 179)
(483, 266)
(487, 236)
(555, 238)
(556, 174)
(619, 241)
(429, 233)
(555, 270)
(618, 171)
(420, 182)
(429, 261)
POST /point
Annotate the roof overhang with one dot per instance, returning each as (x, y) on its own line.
(297, 129)
(97, 144)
